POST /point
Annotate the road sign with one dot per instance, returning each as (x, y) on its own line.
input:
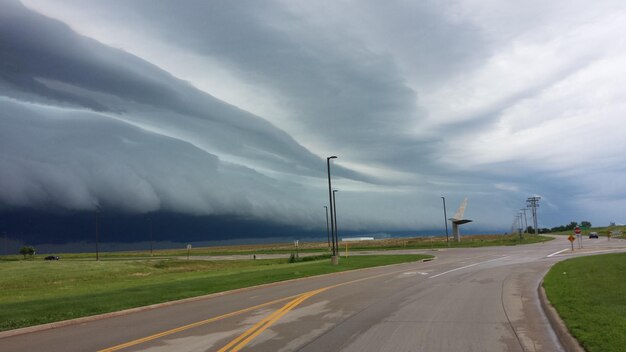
(571, 238)
(577, 230)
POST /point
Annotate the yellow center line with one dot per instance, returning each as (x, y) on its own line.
(252, 332)
(261, 326)
(193, 325)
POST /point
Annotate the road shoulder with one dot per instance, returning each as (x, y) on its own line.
(561, 331)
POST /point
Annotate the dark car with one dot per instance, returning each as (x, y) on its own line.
(51, 257)
(593, 235)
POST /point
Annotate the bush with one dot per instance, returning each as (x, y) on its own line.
(27, 250)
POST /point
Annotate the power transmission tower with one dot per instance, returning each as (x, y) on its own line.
(533, 204)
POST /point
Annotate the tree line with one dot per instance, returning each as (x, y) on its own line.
(569, 227)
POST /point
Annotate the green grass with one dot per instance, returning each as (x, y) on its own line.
(310, 247)
(36, 291)
(590, 295)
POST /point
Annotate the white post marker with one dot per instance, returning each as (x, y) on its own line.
(188, 249)
(579, 236)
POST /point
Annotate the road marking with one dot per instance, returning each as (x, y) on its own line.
(466, 266)
(189, 326)
(294, 298)
(245, 338)
(555, 253)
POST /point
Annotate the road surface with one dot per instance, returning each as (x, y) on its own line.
(474, 299)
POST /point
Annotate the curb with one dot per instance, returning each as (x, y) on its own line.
(566, 339)
(76, 321)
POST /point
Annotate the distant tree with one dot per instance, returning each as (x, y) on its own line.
(27, 250)
(530, 229)
(585, 224)
(572, 225)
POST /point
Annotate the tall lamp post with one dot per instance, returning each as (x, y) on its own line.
(445, 219)
(330, 201)
(327, 226)
(335, 210)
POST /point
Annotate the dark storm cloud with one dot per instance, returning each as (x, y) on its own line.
(148, 146)
(45, 58)
(77, 160)
(454, 98)
(331, 84)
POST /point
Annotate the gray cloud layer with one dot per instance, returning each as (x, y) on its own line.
(418, 100)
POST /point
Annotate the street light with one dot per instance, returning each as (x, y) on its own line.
(335, 210)
(327, 226)
(330, 200)
(445, 219)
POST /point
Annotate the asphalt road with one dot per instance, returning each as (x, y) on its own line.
(477, 299)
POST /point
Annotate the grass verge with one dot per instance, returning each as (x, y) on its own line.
(37, 292)
(588, 293)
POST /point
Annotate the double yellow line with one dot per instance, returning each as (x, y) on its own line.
(189, 326)
(258, 328)
(254, 331)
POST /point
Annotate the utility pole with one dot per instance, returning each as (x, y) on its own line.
(151, 239)
(97, 239)
(533, 204)
(525, 220)
(445, 219)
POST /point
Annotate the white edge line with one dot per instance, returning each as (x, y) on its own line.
(467, 266)
(555, 253)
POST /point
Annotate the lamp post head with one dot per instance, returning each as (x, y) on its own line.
(325, 207)
(332, 157)
(335, 190)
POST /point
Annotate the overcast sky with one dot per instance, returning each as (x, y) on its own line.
(231, 108)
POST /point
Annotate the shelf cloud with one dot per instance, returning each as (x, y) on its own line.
(230, 109)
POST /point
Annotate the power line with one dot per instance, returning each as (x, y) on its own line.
(533, 204)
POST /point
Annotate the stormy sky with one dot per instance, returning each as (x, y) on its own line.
(228, 109)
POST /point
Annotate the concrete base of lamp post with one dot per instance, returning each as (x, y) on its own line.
(334, 260)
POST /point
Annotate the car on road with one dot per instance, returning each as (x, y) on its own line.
(51, 257)
(593, 235)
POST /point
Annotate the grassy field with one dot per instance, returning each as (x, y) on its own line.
(589, 294)
(36, 291)
(316, 247)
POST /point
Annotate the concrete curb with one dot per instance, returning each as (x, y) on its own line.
(567, 340)
(58, 324)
